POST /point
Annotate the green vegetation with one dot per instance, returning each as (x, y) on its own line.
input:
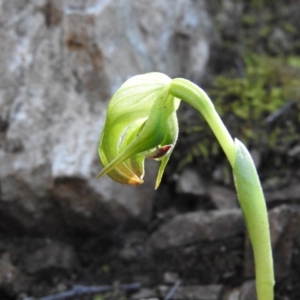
(269, 84)
(262, 108)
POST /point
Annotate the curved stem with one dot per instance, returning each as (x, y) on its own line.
(195, 96)
(247, 184)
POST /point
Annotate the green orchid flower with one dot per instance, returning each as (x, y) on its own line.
(141, 122)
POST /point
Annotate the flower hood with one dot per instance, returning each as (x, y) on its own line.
(141, 122)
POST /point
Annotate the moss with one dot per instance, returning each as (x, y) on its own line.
(261, 108)
(269, 84)
(253, 79)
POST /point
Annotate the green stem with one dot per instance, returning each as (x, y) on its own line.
(196, 97)
(247, 183)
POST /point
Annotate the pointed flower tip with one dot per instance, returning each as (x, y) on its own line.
(100, 174)
(131, 181)
(135, 181)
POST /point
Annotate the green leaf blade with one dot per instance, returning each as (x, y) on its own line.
(254, 208)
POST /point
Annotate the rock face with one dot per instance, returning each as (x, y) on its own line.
(51, 257)
(209, 292)
(191, 183)
(222, 197)
(60, 61)
(12, 280)
(190, 228)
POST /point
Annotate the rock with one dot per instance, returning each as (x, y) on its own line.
(133, 246)
(227, 14)
(53, 257)
(256, 156)
(245, 292)
(197, 292)
(232, 295)
(191, 183)
(12, 280)
(223, 173)
(284, 227)
(202, 262)
(273, 183)
(222, 197)
(218, 174)
(280, 40)
(170, 277)
(60, 62)
(290, 193)
(128, 254)
(144, 294)
(198, 226)
(294, 151)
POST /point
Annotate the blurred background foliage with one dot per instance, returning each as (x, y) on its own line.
(254, 86)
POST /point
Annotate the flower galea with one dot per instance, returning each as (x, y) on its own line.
(141, 122)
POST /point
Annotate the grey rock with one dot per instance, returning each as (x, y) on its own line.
(144, 294)
(222, 197)
(280, 39)
(244, 292)
(197, 292)
(294, 151)
(190, 182)
(12, 280)
(223, 173)
(256, 156)
(60, 62)
(52, 257)
(232, 295)
(247, 291)
(185, 229)
(133, 246)
(128, 254)
(289, 193)
(284, 227)
(170, 277)
(218, 174)
(273, 183)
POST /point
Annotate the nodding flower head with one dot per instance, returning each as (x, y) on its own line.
(141, 122)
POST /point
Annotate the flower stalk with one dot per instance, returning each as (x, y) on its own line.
(247, 184)
(141, 122)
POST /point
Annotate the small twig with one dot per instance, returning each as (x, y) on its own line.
(272, 117)
(84, 290)
(173, 290)
(130, 286)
